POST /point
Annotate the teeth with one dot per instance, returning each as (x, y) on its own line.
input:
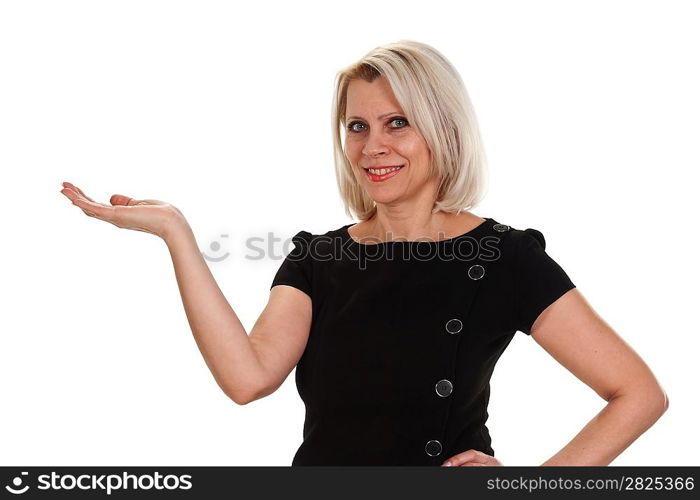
(382, 171)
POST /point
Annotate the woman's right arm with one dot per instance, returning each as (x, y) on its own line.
(246, 367)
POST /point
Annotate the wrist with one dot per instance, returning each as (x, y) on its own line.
(175, 225)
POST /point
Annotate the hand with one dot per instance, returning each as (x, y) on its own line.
(472, 458)
(150, 216)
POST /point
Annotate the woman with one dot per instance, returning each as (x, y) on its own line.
(395, 323)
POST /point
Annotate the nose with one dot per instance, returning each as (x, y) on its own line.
(375, 144)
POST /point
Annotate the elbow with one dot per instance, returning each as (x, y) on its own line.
(659, 406)
(248, 390)
(659, 401)
(244, 396)
(652, 398)
(664, 404)
(241, 397)
(656, 402)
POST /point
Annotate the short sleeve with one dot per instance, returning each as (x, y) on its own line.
(539, 280)
(296, 269)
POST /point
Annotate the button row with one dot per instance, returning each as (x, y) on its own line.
(444, 387)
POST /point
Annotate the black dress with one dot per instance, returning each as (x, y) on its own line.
(405, 336)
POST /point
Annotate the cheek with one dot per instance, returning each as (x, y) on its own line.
(420, 149)
(413, 147)
(353, 152)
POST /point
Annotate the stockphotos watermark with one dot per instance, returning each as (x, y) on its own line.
(464, 248)
(104, 482)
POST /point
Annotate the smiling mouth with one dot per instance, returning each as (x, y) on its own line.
(378, 175)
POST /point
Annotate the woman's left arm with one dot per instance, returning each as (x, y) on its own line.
(578, 338)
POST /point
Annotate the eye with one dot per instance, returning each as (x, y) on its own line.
(400, 120)
(351, 125)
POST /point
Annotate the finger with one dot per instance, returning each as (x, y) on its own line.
(79, 191)
(83, 205)
(489, 462)
(151, 202)
(68, 189)
(94, 209)
(68, 193)
(120, 199)
(460, 458)
(471, 455)
(73, 195)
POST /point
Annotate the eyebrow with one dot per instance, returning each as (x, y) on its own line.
(380, 116)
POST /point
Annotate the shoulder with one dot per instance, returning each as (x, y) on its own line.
(310, 236)
(530, 233)
(316, 245)
(517, 243)
(305, 237)
(526, 252)
(516, 236)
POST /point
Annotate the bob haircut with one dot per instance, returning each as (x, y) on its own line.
(435, 101)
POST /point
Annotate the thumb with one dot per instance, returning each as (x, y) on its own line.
(120, 199)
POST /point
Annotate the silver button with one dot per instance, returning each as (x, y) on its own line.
(476, 272)
(443, 388)
(453, 326)
(433, 447)
(501, 228)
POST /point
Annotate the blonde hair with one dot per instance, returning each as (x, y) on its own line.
(435, 100)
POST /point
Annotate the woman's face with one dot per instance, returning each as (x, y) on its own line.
(377, 134)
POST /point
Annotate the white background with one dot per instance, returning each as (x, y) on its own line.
(589, 112)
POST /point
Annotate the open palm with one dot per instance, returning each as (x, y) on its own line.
(150, 216)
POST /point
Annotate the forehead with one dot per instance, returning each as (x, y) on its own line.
(374, 98)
